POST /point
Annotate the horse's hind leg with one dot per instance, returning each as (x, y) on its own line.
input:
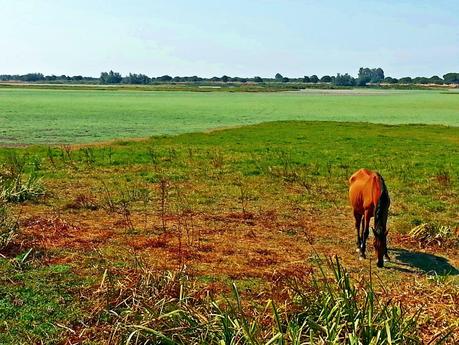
(358, 222)
(365, 233)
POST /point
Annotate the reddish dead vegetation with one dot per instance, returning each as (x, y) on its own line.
(284, 282)
(267, 245)
(55, 232)
(136, 288)
(206, 248)
(130, 288)
(443, 178)
(145, 242)
(235, 244)
(13, 249)
(450, 247)
(437, 303)
(82, 201)
(247, 218)
(54, 224)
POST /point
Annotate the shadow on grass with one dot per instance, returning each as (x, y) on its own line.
(412, 262)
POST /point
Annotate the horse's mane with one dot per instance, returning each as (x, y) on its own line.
(382, 206)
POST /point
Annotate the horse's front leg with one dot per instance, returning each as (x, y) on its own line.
(366, 231)
(358, 222)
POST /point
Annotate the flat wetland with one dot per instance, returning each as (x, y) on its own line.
(256, 205)
(54, 116)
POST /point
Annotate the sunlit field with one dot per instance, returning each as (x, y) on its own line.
(82, 116)
(229, 173)
(242, 235)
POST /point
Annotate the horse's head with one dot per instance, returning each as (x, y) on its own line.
(380, 243)
(380, 230)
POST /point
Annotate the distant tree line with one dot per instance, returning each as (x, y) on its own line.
(366, 76)
(375, 76)
(39, 77)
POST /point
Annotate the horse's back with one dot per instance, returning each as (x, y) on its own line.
(361, 189)
(361, 174)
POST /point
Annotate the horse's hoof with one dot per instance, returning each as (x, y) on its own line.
(357, 249)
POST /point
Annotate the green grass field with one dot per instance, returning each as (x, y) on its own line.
(251, 205)
(82, 116)
(145, 237)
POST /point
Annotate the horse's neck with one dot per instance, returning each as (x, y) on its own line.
(383, 202)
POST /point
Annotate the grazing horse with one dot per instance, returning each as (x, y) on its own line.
(369, 197)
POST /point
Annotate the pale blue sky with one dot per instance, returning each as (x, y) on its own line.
(237, 37)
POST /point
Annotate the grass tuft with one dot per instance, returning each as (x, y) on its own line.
(328, 308)
(9, 228)
(428, 234)
(15, 184)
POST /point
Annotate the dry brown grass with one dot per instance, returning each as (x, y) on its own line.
(267, 244)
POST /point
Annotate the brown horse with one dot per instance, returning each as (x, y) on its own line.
(369, 198)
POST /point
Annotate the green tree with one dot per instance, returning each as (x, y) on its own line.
(435, 80)
(390, 80)
(110, 78)
(137, 79)
(451, 78)
(405, 80)
(314, 79)
(258, 80)
(377, 75)
(344, 80)
(306, 79)
(164, 78)
(420, 80)
(33, 77)
(278, 77)
(367, 75)
(326, 79)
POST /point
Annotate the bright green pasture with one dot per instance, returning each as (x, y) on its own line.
(78, 116)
